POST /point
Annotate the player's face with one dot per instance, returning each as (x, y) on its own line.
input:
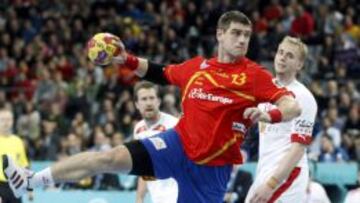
(6, 121)
(287, 59)
(148, 103)
(235, 40)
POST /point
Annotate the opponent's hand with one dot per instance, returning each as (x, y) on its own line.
(262, 194)
(121, 57)
(255, 115)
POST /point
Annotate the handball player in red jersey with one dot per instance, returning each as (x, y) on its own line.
(219, 101)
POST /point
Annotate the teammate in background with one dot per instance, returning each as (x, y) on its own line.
(219, 102)
(282, 171)
(147, 101)
(13, 146)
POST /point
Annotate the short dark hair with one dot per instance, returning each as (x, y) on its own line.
(232, 16)
(145, 85)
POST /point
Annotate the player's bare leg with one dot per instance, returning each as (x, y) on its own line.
(71, 169)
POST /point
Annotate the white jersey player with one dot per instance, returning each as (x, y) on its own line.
(282, 171)
(153, 122)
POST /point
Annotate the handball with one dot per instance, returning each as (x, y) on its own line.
(101, 48)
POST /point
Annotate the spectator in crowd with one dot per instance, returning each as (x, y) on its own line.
(331, 153)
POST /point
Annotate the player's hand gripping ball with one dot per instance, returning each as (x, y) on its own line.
(102, 47)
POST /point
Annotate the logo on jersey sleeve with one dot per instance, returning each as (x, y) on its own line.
(303, 126)
(158, 143)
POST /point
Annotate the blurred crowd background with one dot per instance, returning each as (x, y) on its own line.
(63, 104)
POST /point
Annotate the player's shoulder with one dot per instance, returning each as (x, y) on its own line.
(195, 61)
(302, 92)
(168, 120)
(257, 69)
(139, 125)
(252, 65)
(16, 139)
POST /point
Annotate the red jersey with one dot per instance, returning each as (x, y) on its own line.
(214, 97)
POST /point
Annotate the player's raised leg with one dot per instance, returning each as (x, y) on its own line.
(71, 169)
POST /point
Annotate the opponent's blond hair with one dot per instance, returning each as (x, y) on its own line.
(300, 44)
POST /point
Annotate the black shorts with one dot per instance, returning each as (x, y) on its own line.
(6, 194)
(142, 164)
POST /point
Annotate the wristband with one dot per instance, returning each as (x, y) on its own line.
(131, 62)
(272, 182)
(275, 116)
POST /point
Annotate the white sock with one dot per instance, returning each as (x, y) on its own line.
(41, 179)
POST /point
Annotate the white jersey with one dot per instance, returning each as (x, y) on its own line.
(275, 139)
(166, 190)
(315, 194)
(353, 196)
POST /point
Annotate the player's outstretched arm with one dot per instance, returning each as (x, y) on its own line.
(71, 169)
(142, 67)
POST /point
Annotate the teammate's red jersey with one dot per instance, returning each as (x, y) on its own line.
(214, 97)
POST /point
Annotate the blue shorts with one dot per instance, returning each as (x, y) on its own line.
(197, 183)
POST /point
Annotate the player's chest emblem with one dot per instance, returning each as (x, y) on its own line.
(215, 85)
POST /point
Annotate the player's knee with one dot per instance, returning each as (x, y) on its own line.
(117, 159)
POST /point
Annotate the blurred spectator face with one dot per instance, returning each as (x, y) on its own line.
(148, 103)
(357, 148)
(48, 127)
(326, 123)
(332, 87)
(326, 144)
(109, 129)
(333, 114)
(55, 109)
(169, 100)
(79, 118)
(345, 99)
(234, 40)
(2, 96)
(354, 113)
(288, 59)
(100, 138)
(108, 105)
(117, 139)
(298, 11)
(74, 144)
(6, 121)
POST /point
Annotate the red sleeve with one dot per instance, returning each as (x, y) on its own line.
(179, 74)
(301, 138)
(265, 88)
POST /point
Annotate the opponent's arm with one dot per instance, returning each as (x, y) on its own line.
(287, 109)
(285, 166)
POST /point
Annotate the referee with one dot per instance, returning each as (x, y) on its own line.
(12, 145)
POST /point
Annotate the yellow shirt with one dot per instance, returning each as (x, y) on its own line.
(13, 146)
